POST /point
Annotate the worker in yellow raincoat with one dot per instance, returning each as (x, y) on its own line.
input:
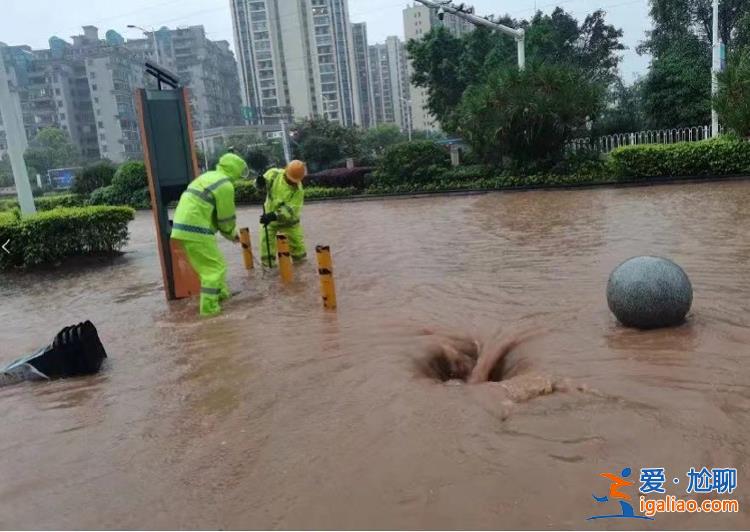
(207, 206)
(282, 210)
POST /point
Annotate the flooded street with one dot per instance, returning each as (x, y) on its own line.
(278, 414)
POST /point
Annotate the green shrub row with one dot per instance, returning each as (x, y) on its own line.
(714, 157)
(47, 203)
(50, 237)
(246, 193)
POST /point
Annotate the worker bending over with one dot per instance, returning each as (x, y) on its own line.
(207, 206)
(282, 210)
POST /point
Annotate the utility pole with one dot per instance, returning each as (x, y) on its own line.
(445, 6)
(16, 140)
(716, 67)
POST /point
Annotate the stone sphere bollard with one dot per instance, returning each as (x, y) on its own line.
(649, 292)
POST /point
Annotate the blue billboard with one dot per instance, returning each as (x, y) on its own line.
(62, 178)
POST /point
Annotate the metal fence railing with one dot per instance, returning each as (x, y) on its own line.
(607, 143)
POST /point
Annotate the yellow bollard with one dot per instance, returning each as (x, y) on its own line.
(285, 258)
(247, 250)
(325, 270)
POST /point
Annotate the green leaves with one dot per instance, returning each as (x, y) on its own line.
(527, 116)
(733, 100)
(94, 176)
(411, 162)
(51, 148)
(129, 187)
(50, 237)
(686, 159)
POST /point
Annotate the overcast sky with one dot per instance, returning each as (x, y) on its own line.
(33, 22)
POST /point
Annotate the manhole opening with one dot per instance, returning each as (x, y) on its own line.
(456, 363)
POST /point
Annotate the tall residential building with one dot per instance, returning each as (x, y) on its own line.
(388, 74)
(380, 76)
(399, 81)
(84, 88)
(206, 67)
(418, 21)
(296, 58)
(364, 82)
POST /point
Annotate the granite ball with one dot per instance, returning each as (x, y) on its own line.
(649, 293)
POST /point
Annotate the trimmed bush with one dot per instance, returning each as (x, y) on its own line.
(313, 193)
(468, 173)
(246, 193)
(411, 163)
(129, 187)
(94, 176)
(714, 157)
(47, 203)
(49, 237)
(131, 176)
(339, 178)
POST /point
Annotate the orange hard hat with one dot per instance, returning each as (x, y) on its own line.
(296, 171)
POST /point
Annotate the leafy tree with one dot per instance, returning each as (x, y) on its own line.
(675, 19)
(447, 65)
(528, 115)
(94, 176)
(51, 148)
(733, 100)
(323, 144)
(375, 140)
(623, 111)
(677, 89)
(676, 92)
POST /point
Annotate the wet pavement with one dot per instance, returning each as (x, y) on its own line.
(278, 414)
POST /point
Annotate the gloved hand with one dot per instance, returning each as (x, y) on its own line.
(268, 218)
(233, 237)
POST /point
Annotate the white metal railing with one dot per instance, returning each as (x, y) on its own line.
(607, 143)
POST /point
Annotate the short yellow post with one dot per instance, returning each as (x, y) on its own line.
(285, 258)
(325, 270)
(247, 250)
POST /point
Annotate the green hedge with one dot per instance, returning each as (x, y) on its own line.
(246, 193)
(47, 203)
(47, 238)
(411, 162)
(714, 157)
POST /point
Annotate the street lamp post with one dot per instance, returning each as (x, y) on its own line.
(153, 35)
(715, 68)
(445, 6)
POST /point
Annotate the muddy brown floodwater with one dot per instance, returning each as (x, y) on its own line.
(280, 415)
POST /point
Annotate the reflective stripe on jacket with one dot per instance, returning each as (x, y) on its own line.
(207, 205)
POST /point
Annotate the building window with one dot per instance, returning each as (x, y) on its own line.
(101, 125)
(96, 100)
(93, 86)
(57, 92)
